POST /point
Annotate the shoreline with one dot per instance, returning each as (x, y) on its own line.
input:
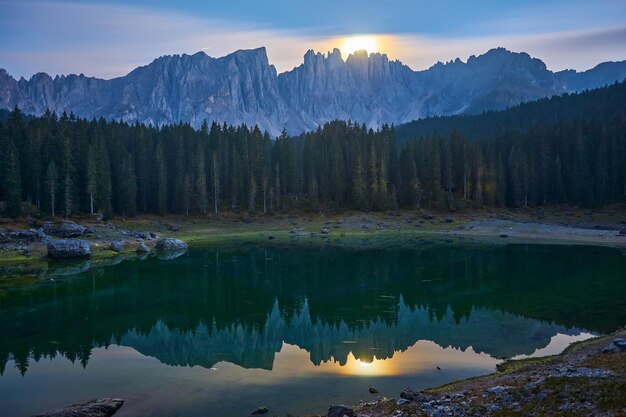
(587, 378)
(349, 230)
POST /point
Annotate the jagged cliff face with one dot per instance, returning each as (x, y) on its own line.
(244, 88)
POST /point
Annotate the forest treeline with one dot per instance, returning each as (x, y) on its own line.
(602, 103)
(63, 165)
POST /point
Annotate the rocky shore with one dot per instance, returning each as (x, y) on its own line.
(588, 379)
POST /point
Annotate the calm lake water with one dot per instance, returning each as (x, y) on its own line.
(222, 332)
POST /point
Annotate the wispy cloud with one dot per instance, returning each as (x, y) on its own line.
(110, 40)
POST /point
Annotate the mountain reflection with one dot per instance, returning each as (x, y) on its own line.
(241, 306)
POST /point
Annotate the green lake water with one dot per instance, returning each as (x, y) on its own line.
(222, 332)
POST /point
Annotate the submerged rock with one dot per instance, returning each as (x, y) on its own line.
(260, 410)
(64, 229)
(169, 244)
(70, 248)
(104, 407)
(340, 411)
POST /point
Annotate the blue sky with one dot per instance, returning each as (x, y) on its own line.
(109, 38)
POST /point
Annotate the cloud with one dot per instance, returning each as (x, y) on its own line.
(578, 50)
(111, 40)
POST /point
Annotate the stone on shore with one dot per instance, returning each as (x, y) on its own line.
(169, 244)
(64, 229)
(117, 246)
(104, 407)
(340, 411)
(70, 248)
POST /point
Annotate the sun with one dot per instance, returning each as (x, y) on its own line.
(356, 43)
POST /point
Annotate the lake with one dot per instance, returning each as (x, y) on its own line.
(224, 331)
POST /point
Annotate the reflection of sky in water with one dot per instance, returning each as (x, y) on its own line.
(151, 388)
(193, 371)
(206, 335)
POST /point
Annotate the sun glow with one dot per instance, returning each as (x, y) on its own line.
(356, 43)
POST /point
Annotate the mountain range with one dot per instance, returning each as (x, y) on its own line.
(243, 87)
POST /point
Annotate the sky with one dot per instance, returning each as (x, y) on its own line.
(110, 38)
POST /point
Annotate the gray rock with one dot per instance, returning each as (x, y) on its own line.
(402, 401)
(104, 407)
(117, 246)
(169, 244)
(325, 230)
(64, 229)
(31, 235)
(142, 248)
(373, 390)
(574, 372)
(411, 395)
(340, 411)
(69, 248)
(620, 343)
(498, 389)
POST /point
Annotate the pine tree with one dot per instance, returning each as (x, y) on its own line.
(52, 175)
(13, 184)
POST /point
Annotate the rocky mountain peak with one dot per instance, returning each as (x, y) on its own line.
(243, 87)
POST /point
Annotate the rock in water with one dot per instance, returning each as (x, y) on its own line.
(373, 390)
(63, 229)
(169, 244)
(260, 410)
(340, 411)
(69, 248)
(142, 248)
(104, 407)
(117, 246)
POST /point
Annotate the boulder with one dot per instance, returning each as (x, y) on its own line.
(142, 248)
(69, 248)
(63, 229)
(169, 244)
(340, 411)
(411, 395)
(620, 343)
(260, 410)
(325, 230)
(104, 407)
(117, 246)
